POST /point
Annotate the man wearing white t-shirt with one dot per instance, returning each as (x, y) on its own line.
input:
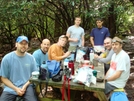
(119, 71)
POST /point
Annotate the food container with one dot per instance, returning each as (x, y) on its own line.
(35, 75)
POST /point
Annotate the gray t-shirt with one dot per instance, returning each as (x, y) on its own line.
(76, 32)
(108, 57)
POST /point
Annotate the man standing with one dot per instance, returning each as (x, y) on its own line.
(15, 72)
(98, 35)
(75, 35)
(56, 52)
(106, 56)
(41, 54)
(119, 70)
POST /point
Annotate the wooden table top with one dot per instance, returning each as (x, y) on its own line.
(100, 86)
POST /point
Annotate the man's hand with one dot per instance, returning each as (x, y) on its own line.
(96, 56)
(19, 91)
(67, 54)
(75, 40)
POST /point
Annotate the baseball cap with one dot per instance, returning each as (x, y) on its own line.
(21, 38)
(116, 39)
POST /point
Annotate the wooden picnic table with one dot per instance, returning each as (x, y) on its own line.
(98, 88)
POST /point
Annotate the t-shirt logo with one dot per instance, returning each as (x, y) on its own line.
(113, 65)
(27, 65)
(102, 32)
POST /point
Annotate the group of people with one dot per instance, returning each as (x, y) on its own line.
(17, 66)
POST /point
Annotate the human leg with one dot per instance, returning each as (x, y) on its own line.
(6, 96)
(30, 94)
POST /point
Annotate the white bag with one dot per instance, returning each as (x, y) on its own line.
(79, 55)
(85, 76)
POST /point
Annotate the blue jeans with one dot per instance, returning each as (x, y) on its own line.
(28, 96)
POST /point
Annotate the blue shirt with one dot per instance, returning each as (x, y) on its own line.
(77, 33)
(99, 34)
(18, 69)
(40, 57)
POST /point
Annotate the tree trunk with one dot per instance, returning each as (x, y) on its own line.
(112, 21)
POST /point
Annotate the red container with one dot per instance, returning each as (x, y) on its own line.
(71, 65)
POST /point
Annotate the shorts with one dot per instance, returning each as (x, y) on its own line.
(109, 88)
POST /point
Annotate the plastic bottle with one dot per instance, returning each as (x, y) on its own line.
(91, 56)
(66, 62)
(71, 65)
(44, 65)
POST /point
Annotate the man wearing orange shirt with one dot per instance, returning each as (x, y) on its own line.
(56, 52)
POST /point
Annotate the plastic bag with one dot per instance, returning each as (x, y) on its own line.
(85, 76)
(79, 55)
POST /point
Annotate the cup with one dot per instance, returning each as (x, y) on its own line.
(94, 73)
(95, 62)
(35, 75)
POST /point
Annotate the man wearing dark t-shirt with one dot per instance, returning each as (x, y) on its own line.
(98, 35)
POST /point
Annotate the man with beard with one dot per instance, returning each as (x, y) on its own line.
(41, 54)
(15, 72)
(119, 70)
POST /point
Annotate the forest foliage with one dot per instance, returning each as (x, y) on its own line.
(51, 18)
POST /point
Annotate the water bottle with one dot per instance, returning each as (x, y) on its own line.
(44, 65)
(91, 56)
(71, 65)
(66, 61)
(44, 68)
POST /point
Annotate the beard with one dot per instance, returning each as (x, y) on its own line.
(23, 50)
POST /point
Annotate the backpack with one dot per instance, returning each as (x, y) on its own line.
(54, 70)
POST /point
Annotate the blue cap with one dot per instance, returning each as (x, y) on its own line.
(21, 38)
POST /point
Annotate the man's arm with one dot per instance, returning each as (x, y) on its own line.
(83, 41)
(8, 83)
(115, 76)
(92, 41)
(54, 56)
(25, 86)
(71, 39)
(108, 57)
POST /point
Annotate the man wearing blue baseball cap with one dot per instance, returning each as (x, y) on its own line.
(21, 38)
(15, 72)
